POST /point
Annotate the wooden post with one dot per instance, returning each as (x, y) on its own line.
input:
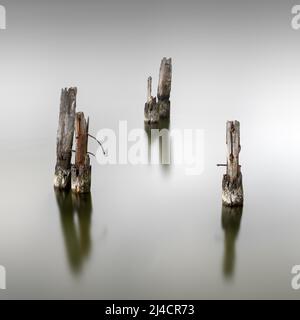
(160, 108)
(81, 171)
(151, 107)
(232, 187)
(164, 87)
(62, 178)
(149, 89)
(165, 79)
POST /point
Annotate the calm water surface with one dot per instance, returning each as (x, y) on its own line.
(146, 232)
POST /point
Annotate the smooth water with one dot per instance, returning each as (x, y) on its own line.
(151, 231)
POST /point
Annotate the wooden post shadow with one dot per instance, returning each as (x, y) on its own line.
(231, 220)
(77, 238)
(162, 134)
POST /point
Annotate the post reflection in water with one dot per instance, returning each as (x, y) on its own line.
(231, 220)
(75, 215)
(165, 142)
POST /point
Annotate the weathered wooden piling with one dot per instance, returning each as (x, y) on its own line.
(81, 170)
(65, 133)
(164, 87)
(151, 106)
(149, 89)
(160, 107)
(232, 186)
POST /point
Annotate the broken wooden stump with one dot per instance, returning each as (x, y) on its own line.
(81, 170)
(65, 132)
(151, 106)
(232, 185)
(156, 108)
(165, 79)
(149, 89)
(164, 87)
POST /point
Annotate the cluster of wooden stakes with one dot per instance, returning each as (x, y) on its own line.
(77, 176)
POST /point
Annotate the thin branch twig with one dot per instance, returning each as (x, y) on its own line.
(92, 154)
(98, 143)
(224, 165)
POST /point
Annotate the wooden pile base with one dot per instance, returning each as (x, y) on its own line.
(62, 178)
(232, 192)
(151, 111)
(81, 179)
(164, 109)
